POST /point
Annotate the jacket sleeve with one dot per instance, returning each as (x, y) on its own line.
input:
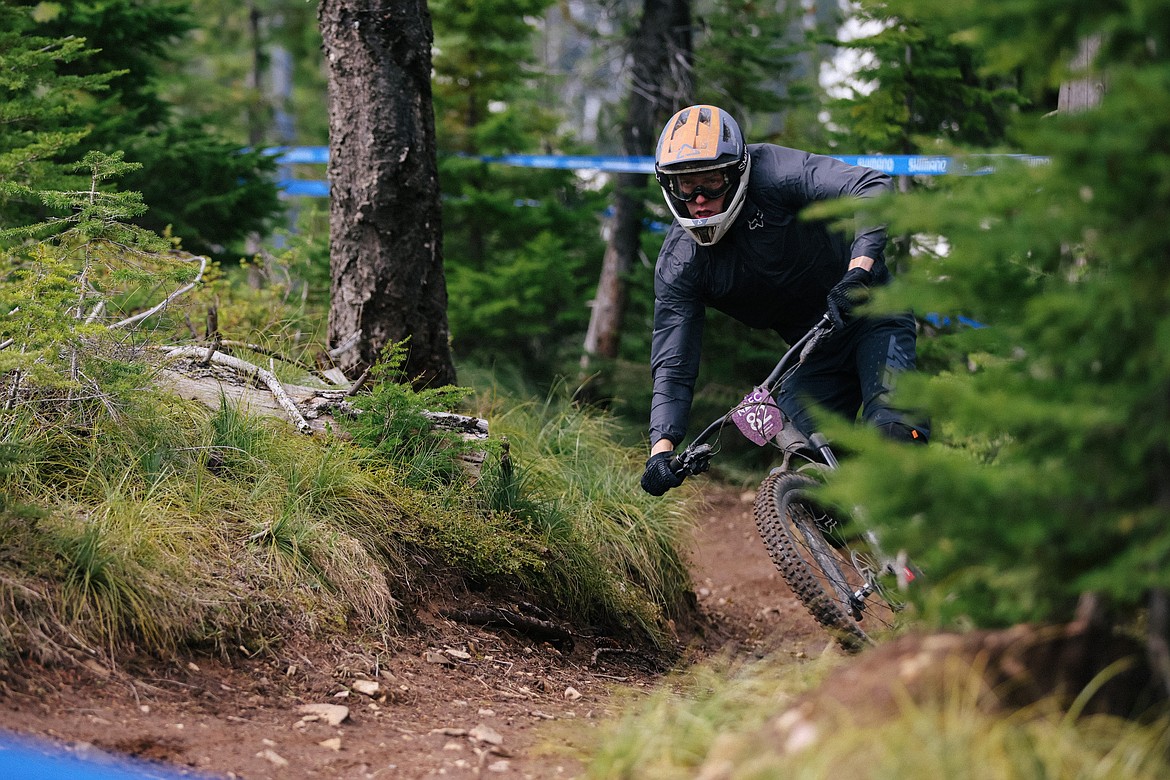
(675, 346)
(827, 178)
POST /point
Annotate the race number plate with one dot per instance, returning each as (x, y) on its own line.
(758, 417)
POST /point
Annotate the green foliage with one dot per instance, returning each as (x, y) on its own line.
(612, 553)
(177, 526)
(213, 193)
(521, 247)
(526, 306)
(920, 88)
(67, 297)
(253, 71)
(672, 732)
(1068, 388)
(157, 529)
(41, 108)
(749, 59)
(202, 187)
(393, 423)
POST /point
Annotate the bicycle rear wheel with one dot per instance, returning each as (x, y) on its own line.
(833, 576)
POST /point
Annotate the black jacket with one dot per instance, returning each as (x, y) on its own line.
(770, 270)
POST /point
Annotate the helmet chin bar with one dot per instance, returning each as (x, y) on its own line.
(705, 236)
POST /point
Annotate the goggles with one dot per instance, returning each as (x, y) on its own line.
(688, 186)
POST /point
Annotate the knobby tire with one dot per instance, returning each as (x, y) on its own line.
(822, 572)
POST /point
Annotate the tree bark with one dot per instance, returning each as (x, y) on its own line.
(1084, 92)
(386, 260)
(661, 82)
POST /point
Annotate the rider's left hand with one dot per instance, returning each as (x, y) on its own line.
(847, 294)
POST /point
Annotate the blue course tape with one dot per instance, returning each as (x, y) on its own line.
(23, 759)
(893, 164)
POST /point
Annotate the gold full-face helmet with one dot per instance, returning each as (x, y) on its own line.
(703, 144)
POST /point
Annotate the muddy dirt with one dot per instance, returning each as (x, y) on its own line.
(453, 701)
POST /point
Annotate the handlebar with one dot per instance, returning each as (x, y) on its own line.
(696, 457)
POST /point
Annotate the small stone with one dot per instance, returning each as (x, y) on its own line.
(366, 687)
(272, 757)
(572, 694)
(486, 734)
(333, 714)
(333, 743)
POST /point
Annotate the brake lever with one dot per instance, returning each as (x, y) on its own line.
(693, 460)
(823, 329)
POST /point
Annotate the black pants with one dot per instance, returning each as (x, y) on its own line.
(855, 370)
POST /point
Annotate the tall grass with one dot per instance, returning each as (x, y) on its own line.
(172, 525)
(741, 723)
(612, 549)
(177, 525)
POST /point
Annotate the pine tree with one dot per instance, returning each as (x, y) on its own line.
(916, 88)
(1051, 476)
(210, 189)
(41, 114)
(522, 245)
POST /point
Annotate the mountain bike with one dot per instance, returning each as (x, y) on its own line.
(833, 564)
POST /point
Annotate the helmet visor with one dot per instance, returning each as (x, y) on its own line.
(709, 184)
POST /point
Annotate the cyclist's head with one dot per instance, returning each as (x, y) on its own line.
(702, 152)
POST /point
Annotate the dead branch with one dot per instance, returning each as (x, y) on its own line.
(259, 349)
(247, 369)
(166, 301)
(498, 617)
(228, 379)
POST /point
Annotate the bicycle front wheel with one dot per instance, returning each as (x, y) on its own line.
(832, 575)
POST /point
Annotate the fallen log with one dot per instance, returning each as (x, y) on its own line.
(202, 374)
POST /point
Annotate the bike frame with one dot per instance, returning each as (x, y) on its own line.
(696, 457)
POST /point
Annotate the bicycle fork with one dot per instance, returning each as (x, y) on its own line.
(896, 566)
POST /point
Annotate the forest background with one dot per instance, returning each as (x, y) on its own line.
(1046, 492)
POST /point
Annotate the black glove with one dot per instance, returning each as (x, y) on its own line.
(658, 477)
(850, 292)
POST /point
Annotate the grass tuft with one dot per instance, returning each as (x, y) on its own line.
(746, 722)
(612, 551)
(174, 525)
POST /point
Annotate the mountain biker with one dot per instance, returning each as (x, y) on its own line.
(738, 244)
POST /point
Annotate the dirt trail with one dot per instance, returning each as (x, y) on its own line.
(458, 702)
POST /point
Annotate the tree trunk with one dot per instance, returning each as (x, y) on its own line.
(661, 83)
(1085, 92)
(386, 260)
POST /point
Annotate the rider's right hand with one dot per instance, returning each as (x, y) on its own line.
(659, 477)
(847, 295)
